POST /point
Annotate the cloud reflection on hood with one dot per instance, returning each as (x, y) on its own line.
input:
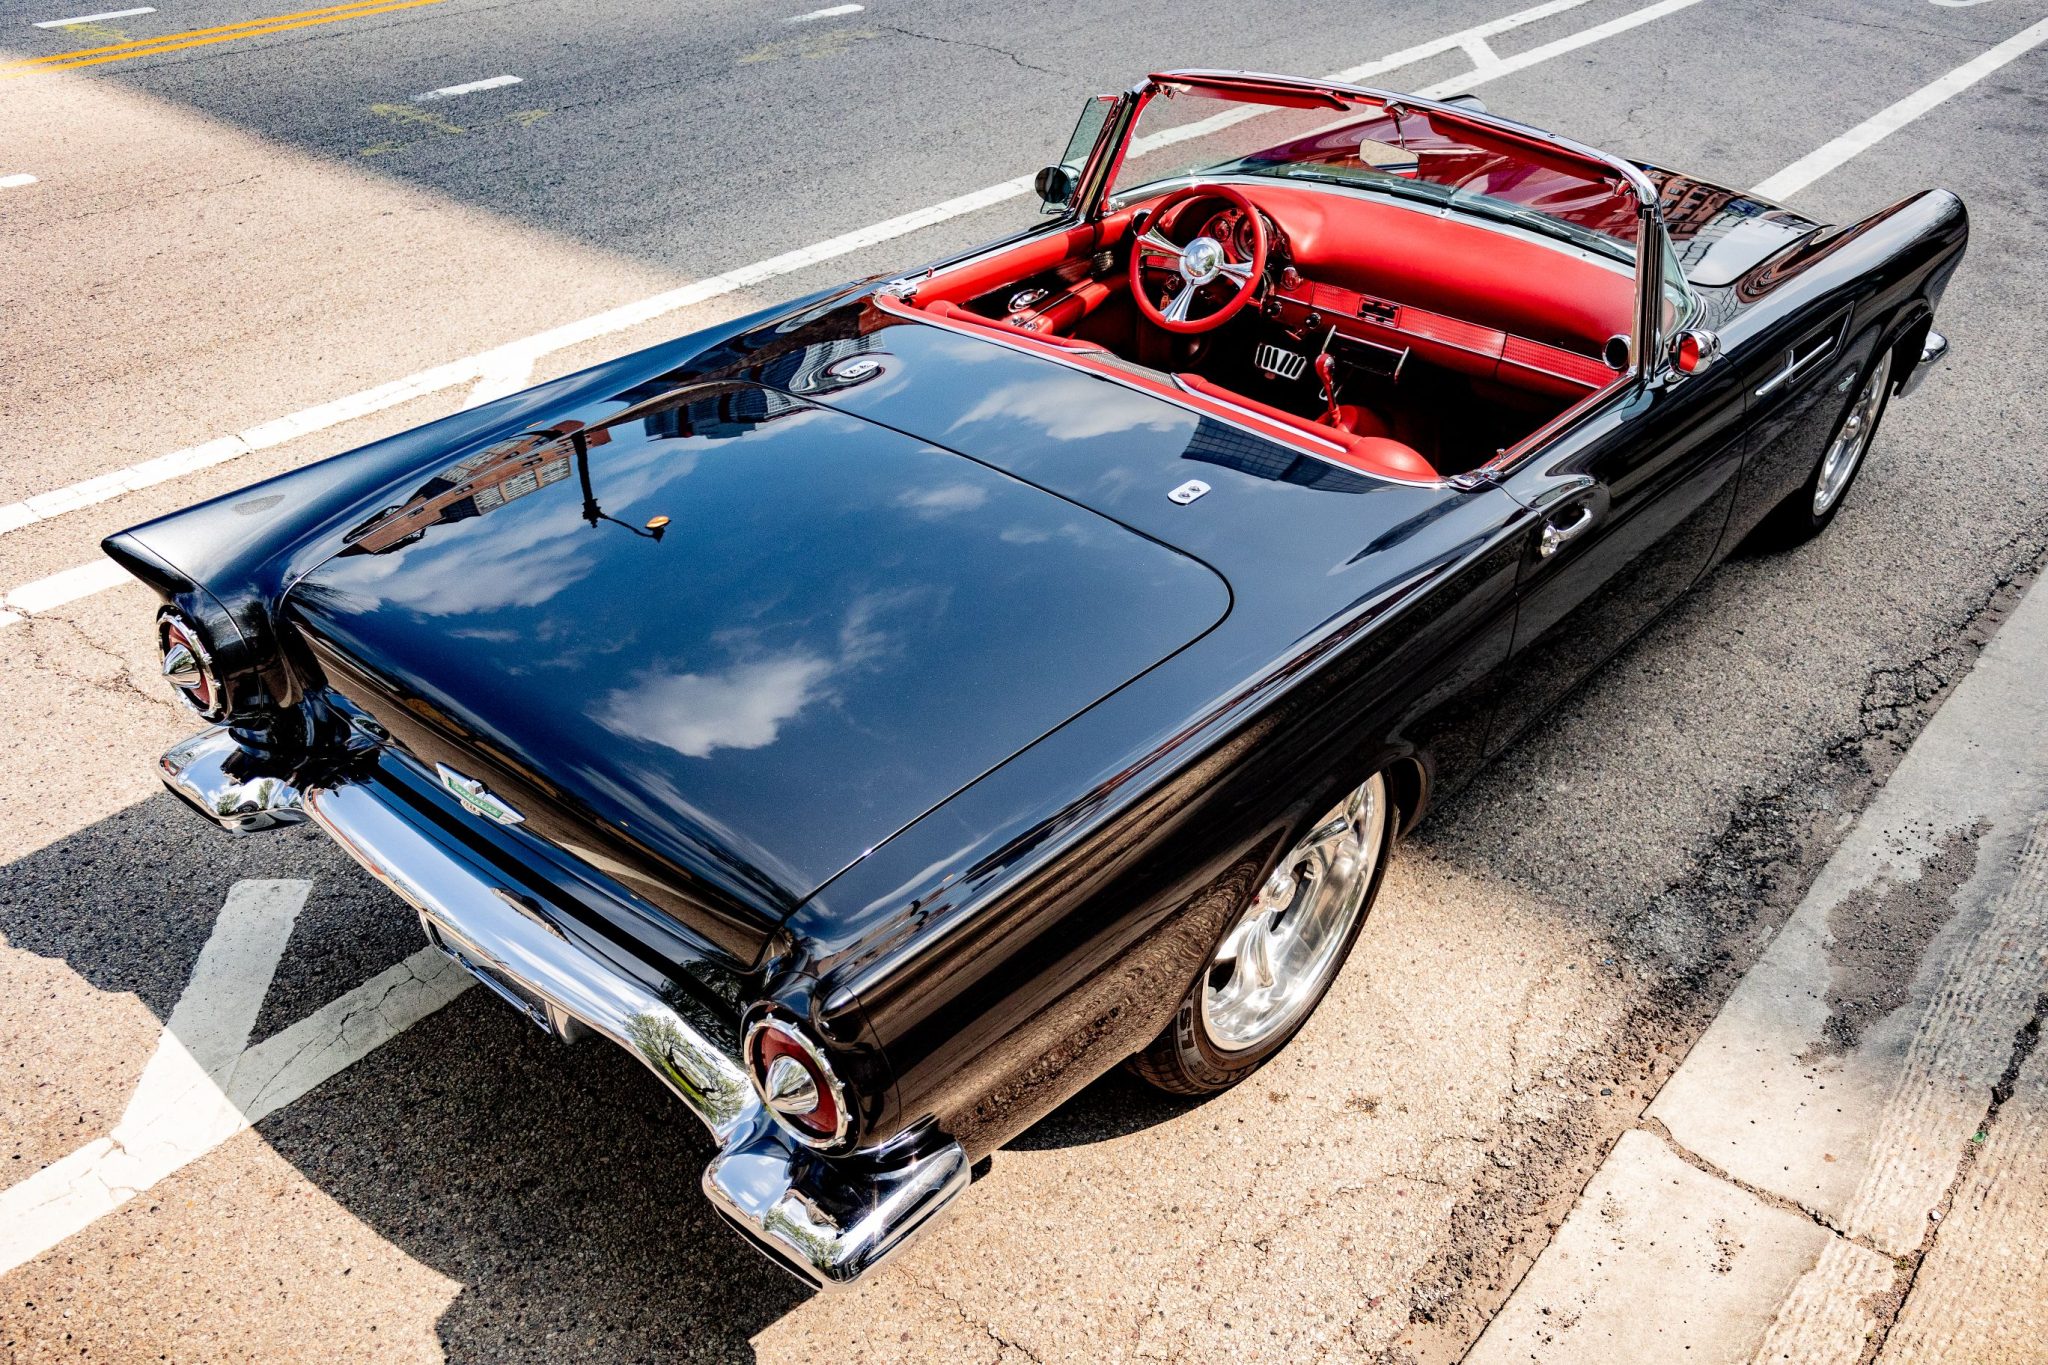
(745, 704)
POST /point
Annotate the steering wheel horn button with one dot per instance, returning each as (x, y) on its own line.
(1187, 492)
(1201, 260)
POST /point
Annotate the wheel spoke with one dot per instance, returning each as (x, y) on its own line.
(1276, 961)
(1236, 270)
(1176, 309)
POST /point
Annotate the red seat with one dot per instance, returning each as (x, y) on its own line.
(1362, 439)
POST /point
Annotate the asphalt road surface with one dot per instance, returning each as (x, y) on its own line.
(250, 244)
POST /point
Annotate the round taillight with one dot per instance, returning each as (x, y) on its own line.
(188, 666)
(796, 1083)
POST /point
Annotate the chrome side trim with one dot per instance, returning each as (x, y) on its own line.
(828, 1220)
(216, 776)
(1933, 352)
(1794, 368)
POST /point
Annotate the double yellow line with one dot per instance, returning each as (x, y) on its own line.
(201, 37)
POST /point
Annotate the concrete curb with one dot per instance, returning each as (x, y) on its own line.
(1788, 1183)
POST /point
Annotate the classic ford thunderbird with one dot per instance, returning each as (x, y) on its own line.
(888, 712)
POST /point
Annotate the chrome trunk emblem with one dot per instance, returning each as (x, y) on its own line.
(476, 797)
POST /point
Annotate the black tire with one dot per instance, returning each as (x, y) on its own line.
(1186, 1059)
(1796, 520)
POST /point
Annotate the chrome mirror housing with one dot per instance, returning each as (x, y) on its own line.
(1692, 350)
(1056, 186)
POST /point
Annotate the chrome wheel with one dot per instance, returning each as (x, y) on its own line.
(1272, 966)
(1852, 438)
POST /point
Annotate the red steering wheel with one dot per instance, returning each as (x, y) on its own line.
(1203, 263)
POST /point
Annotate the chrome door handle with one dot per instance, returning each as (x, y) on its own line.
(1794, 368)
(1555, 536)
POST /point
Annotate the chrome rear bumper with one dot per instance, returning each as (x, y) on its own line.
(828, 1220)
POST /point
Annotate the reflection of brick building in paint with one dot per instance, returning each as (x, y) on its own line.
(532, 460)
(717, 411)
(1694, 215)
(481, 483)
(1699, 217)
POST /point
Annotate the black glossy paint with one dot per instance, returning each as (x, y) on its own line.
(1061, 731)
(836, 628)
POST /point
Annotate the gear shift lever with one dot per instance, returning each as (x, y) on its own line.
(1326, 371)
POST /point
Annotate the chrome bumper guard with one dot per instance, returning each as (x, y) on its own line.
(829, 1221)
(1933, 351)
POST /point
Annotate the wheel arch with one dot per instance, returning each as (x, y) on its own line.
(1409, 780)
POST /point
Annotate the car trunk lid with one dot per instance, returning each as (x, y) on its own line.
(725, 644)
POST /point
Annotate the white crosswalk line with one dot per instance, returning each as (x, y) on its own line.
(204, 1084)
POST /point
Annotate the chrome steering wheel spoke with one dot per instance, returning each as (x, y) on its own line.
(1162, 254)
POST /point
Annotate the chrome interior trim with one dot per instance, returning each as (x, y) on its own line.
(826, 1220)
(1933, 352)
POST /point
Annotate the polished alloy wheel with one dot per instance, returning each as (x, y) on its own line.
(1272, 967)
(1852, 438)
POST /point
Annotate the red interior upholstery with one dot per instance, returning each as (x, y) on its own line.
(953, 312)
(1460, 269)
(1486, 277)
(1376, 454)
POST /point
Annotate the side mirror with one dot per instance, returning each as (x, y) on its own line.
(1056, 186)
(1467, 101)
(1693, 350)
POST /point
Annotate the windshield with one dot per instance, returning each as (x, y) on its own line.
(1387, 150)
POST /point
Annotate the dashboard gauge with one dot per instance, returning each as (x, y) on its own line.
(1247, 239)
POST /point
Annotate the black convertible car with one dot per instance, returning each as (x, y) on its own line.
(885, 713)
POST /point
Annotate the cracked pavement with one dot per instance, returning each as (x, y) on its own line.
(209, 248)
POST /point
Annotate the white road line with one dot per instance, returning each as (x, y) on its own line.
(832, 13)
(1571, 42)
(16, 181)
(187, 1105)
(178, 1104)
(513, 373)
(489, 83)
(96, 18)
(41, 506)
(1481, 52)
(66, 586)
(1885, 122)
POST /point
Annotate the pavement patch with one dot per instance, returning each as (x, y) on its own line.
(1876, 937)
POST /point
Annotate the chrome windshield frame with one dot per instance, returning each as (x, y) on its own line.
(1093, 199)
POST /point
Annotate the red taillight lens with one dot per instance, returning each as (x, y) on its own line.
(796, 1083)
(187, 665)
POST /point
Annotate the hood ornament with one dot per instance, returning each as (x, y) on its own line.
(476, 797)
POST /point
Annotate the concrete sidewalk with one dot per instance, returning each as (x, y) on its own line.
(1852, 1163)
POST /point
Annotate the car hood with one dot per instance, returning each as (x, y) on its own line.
(731, 640)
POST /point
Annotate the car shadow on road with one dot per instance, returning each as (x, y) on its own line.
(557, 1186)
